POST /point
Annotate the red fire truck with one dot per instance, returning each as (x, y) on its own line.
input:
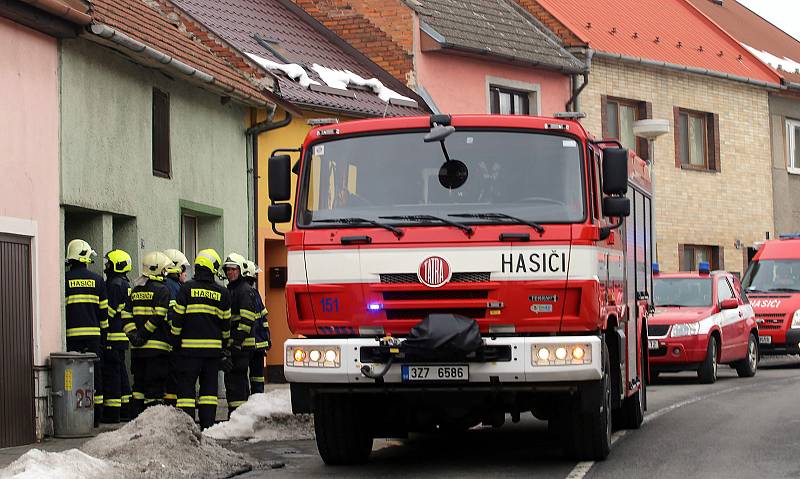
(445, 272)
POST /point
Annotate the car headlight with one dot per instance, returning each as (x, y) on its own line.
(313, 356)
(686, 329)
(796, 320)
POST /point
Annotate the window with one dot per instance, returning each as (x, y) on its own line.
(692, 255)
(161, 157)
(505, 101)
(618, 116)
(189, 236)
(696, 140)
(793, 146)
(724, 290)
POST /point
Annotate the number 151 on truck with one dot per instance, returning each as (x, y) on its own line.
(448, 271)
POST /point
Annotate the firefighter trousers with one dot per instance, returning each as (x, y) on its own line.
(149, 380)
(237, 384)
(115, 377)
(171, 396)
(190, 369)
(91, 344)
(257, 371)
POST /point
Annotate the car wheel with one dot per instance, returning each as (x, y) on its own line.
(708, 370)
(746, 368)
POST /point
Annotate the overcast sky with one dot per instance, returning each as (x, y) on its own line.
(783, 13)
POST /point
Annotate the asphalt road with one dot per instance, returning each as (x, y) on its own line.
(736, 428)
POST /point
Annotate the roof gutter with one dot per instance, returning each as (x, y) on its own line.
(791, 85)
(119, 38)
(61, 10)
(573, 104)
(687, 69)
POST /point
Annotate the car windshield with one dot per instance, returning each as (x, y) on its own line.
(688, 292)
(773, 275)
(532, 176)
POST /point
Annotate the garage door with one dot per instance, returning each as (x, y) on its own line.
(16, 342)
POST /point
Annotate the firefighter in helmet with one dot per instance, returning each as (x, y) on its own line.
(201, 326)
(86, 316)
(115, 373)
(260, 331)
(242, 343)
(148, 332)
(176, 276)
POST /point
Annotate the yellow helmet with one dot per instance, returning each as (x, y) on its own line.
(118, 261)
(208, 258)
(250, 269)
(235, 259)
(155, 264)
(79, 250)
(179, 261)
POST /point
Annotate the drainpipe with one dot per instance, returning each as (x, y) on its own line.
(252, 134)
(573, 104)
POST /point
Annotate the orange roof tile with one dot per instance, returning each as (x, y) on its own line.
(670, 31)
(162, 26)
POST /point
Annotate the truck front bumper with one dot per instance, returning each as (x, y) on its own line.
(523, 364)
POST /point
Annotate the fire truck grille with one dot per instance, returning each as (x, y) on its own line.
(406, 278)
(419, 314)
(435, 294)
(657, 330)
(770, 321)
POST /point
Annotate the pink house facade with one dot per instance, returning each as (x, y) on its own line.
(30, 246)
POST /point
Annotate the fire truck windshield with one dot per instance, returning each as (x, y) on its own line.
(687, 292)
(532, 176)
(773, 275)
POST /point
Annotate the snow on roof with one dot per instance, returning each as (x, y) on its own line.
(265, 417)
(340, 79)
(292, 70)
(785, 64)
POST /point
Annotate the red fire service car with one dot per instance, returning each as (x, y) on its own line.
(772, 283)
(701, 320)
(446, 271)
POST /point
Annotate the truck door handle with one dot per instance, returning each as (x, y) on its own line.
(356, 239)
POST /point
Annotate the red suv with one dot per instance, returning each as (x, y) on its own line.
(702, 319)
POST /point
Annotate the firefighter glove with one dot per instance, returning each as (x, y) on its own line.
(226, 363)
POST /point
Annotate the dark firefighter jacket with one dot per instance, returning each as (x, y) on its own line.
(244, 313)
(149, 305)
(201, 317)
(119, 291)
(86, 303)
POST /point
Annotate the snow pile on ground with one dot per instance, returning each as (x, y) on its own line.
(71, 464)
(292, 70)
(164, 443)
(341, 79)
(265, 417)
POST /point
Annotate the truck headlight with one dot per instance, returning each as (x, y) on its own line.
(313, 356)
(686, 329)
(561, 354)
(796, 320)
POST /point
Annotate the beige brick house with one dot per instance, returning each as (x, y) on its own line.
(713, 171)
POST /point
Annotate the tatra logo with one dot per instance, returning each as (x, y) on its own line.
(142, 296)
(434, 272)
(204, 293)
(81, 283)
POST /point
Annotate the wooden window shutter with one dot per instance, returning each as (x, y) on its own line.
(642, 145)
(717, 253)
(161, 146)
(604, 115)
(676, 113)
(680, 257)
(712, 125)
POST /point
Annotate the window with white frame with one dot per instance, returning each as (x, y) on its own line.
(793, 146)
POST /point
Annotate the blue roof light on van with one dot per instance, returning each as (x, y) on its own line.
(703, 267)
(656, 268)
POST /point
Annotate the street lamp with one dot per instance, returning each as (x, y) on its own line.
(651, 129)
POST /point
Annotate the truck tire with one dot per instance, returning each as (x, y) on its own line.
(631, 414)
(746, 368)
(590, 433)
(343, 435)
(708, 369)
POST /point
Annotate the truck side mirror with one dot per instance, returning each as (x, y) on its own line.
(280, 183)
(615, 171)
(729, 303)
(616, 207)
(280, 213)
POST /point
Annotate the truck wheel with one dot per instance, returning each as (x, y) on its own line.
(631, 414)
(746, 368)
(343, 435)
(708, 370)
(591, 432)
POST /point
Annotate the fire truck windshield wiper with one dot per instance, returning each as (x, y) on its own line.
(501, 216)
(466, 229)
(355, 221)
(783, 290)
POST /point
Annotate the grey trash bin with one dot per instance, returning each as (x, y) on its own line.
(73, 393)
